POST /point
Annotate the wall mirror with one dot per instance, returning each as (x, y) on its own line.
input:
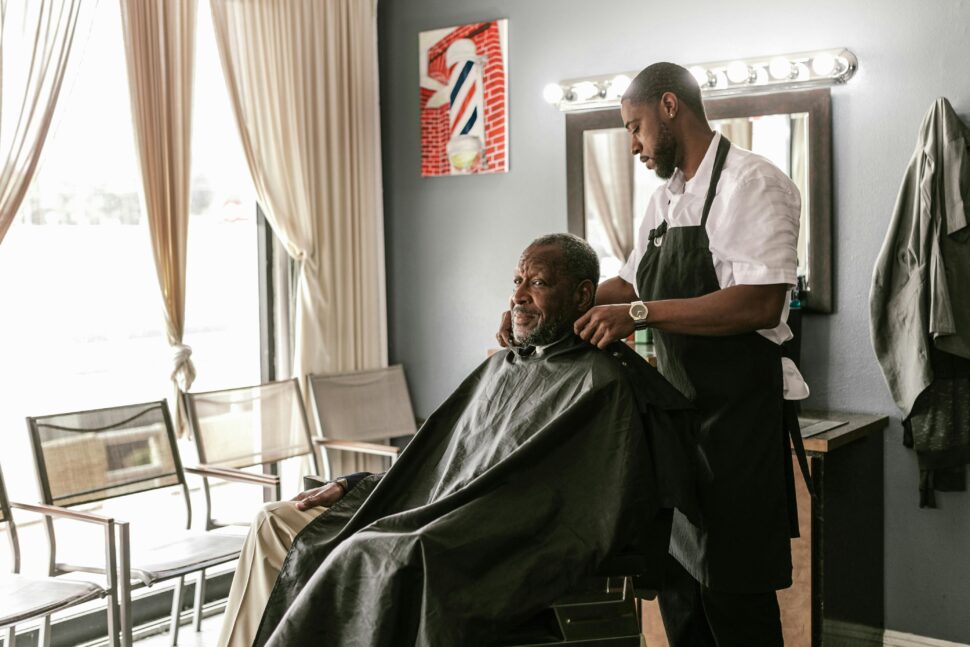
(608, 188)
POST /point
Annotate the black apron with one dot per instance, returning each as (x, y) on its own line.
(735, 382)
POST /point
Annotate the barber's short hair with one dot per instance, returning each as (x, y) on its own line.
(655, 80)
(579, 260)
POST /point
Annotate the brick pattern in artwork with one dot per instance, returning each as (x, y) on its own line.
(435, 121)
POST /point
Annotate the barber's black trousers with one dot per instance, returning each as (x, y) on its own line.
(695, 616)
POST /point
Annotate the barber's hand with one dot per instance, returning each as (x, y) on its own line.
(504, 333)
(601, 325)
(325, 495)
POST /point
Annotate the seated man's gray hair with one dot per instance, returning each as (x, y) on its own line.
(581, 262)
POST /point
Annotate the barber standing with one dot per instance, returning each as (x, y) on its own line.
(711, 271)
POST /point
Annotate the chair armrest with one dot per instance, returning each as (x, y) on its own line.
(112, 552)
(65, 513)
(355, 446)
(233, 474)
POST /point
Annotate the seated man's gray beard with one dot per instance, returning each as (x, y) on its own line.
(547, 332)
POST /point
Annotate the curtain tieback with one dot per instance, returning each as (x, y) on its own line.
(183, 372)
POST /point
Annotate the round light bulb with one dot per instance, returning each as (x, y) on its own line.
(586, 90)
(801, 72)
(552, 93)
(738, 72)
(780, 68)
(823, 64)
(619, 84)
(700, 75)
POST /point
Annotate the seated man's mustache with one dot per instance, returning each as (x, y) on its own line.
(525, 311)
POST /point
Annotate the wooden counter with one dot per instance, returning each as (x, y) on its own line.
(858, 425)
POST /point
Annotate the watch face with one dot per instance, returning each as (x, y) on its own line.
(638, 311)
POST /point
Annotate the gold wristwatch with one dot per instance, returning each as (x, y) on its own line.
(639, 312)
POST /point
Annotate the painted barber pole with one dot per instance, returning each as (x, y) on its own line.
(464, 118)
(466, 111)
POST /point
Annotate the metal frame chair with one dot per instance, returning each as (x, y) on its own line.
(233, 430)
(356, 410)
(24, 597)
(90, 456)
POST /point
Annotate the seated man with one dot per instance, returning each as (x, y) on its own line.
(546, 461)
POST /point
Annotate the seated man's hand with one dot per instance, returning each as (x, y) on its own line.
(325, 495)
(504, 333)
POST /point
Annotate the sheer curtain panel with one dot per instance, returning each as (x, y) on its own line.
(36, 37)
(302, 76)
(609, 176)
(159, 48)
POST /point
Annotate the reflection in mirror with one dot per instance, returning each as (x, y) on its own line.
(618, 187)
(608, 189)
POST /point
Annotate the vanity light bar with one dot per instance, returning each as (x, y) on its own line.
(720, 78)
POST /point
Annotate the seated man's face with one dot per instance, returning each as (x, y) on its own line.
(544, 303)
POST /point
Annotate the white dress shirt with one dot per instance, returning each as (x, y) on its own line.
(752, 227)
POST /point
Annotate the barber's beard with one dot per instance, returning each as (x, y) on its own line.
(547, 332)
(665, 153)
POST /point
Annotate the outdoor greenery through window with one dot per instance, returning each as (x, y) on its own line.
(82, 324)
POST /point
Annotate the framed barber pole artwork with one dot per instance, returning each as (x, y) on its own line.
(464, 90)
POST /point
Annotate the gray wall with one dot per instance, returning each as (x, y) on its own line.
(452, 242)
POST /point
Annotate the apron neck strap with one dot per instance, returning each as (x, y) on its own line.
(719, 157)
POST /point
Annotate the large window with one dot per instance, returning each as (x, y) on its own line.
(82, 323)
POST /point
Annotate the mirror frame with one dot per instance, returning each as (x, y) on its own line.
(818, 295)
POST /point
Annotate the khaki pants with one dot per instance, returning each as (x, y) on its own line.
(270, 537)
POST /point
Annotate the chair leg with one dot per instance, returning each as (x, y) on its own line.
(199, 601)
(173, 627)
(114, 628)
(121, 602)
(44, 636)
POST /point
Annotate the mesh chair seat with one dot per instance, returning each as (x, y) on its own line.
(23, 597)
(186, 555)
(183, 555)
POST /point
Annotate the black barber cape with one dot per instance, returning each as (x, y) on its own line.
(533, 472)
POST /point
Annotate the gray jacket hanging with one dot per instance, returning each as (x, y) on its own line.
(920, 289)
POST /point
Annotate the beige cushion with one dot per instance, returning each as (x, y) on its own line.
(23, 597)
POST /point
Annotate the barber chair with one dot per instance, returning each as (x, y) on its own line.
(601, 611)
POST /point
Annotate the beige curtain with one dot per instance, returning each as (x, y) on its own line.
(608, 167)
(799, 174)
(302, 77)
(738, 131)
(159, 47)
(36, 37)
